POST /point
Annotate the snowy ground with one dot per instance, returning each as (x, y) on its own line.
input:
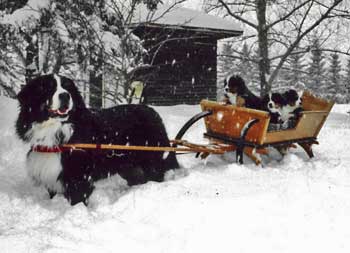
(289, 205)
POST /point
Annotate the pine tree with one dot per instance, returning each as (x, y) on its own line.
(244, 67)
(226, 61)
(316, 70)
(294, 73)
(336, 88)
(347, 81)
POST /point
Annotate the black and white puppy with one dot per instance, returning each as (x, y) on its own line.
(237, 93)
(274, 103)
(292, 108)
(52, 113)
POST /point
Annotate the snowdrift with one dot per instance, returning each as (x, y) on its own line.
(290, 205)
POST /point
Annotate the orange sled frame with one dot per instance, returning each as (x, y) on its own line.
(245, 130)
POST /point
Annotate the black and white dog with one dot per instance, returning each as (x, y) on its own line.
(237, 93)
(273, 103)
(52, 113)
(293, 106)
(284, 109)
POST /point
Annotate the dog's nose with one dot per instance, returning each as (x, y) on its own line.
(64, 98)
(270, 105)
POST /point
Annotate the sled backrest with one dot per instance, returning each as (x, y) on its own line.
(229, 120)
(312, 103)
(315, 113)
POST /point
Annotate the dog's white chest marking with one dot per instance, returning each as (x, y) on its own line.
(44, 168)
(232, 98)
(49, 133)
(287, 112)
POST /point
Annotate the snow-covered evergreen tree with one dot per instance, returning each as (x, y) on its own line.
(87, 40)
(336, 87)
(316, 71)
(226, 64)
(294, 72)
(346, 81)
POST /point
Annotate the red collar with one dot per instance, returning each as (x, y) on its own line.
(47, 149)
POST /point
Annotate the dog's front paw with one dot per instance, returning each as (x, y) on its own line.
(78, 191)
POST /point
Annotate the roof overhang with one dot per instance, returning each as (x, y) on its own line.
(183, 19)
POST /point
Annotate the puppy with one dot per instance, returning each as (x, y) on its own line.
(274, 103)
(292, 108)
(237, 93)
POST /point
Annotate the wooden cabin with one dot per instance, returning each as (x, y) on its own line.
(182, 46)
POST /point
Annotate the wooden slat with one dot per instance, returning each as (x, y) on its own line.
(312, 103)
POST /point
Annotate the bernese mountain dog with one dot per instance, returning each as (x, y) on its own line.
(52, 113)
(284, 109)
(237, 93)
(293, 105)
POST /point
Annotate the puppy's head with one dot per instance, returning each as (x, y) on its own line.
(293, 98)
(274, 102)
(234, 84)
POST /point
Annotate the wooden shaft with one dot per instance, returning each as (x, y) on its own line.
(141, 148)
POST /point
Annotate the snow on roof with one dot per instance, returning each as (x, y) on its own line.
(24, 14)
(184, 17)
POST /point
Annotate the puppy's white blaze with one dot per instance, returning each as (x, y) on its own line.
(55, 98)
(44, 169)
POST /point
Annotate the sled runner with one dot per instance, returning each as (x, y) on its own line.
(247, 129)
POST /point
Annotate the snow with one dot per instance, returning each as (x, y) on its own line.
(181, 16)
(29, 12)
(290, 205)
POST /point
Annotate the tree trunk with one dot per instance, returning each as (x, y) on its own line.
(264, 63)
(96, 79)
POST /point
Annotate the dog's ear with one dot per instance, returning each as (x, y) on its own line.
(73, 90)
(32, 91)
(24, 95)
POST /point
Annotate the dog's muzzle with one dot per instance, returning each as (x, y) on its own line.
(65, 105)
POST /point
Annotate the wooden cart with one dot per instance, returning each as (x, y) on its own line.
(245, 130)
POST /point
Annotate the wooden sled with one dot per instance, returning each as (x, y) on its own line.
(246, 130)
